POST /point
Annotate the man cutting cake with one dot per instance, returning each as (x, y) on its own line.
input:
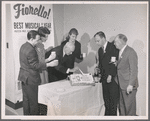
(65, 60)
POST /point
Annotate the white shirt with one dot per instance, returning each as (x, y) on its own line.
(104, 47)
(121, 51)
(63, 53)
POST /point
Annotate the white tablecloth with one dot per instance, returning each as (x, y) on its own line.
(64, 99)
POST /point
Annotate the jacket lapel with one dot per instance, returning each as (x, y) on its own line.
(106, 50)
(123, 54)
(101, 53)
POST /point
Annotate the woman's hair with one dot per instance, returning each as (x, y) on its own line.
(43, 30)
(32, 34)
(72, 31)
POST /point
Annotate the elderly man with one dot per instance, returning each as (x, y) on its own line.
(65, 62)
(127, 76)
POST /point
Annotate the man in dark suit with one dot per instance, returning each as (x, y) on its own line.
(107, 55)
(127, 68)
(65, 62)
(29, 72)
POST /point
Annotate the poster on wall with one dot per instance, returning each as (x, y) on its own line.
(26, 17)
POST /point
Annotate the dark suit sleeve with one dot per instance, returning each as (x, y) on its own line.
(112, 66)
(33, 61)
(47, 54)
(60, 66)
(59, 56)
(77, 52)
(112, 69)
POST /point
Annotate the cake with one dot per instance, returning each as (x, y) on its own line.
(81, 79)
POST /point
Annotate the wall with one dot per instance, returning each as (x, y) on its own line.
(10, 73)
(129, 19)
(58, 15)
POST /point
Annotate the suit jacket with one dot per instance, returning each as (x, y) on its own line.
(107, 68)
(30, 65)
(128, 68)
(77, 52)
(64, 62)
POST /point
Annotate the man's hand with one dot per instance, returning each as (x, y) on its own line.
(109, 78)
(129, 89)
(52, 63)
(115, 63)
(84, 55)
(96, 70)
(74, 69)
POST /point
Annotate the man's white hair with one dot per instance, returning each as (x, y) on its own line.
(70, 45)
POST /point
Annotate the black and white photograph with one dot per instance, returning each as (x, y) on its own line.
(74, 60)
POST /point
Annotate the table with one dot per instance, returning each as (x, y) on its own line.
(64, 99)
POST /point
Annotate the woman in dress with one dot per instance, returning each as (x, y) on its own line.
(72, 36)
(44, 32)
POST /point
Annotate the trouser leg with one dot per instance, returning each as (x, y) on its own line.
(43, 109)
(113, 98)
(129, 104)
(33, 99)
(26, 107)
(106, 97)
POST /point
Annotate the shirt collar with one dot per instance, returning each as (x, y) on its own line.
(105, 45)
(63, 53)
(123, 49)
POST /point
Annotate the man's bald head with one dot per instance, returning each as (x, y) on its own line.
(69, 48)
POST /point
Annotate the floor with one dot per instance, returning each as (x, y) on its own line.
(11, 111)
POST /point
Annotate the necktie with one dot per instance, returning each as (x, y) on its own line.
(103, 50)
